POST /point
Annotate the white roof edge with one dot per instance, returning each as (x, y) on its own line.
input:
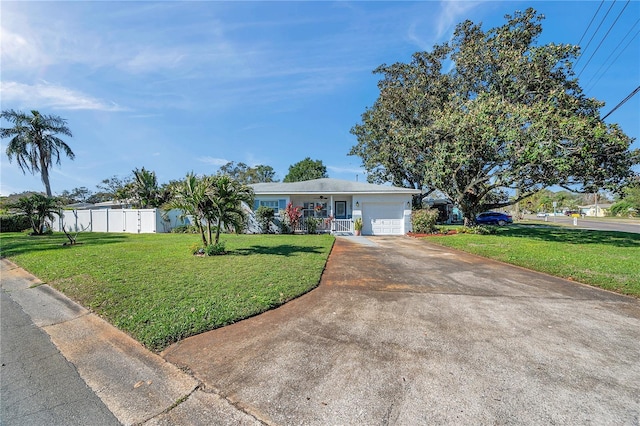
(328, 186)
(408, 191)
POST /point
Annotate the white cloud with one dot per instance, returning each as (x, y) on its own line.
(49, 95)
(451, 13)
(143, 62)
(213, 161)
(19, 51)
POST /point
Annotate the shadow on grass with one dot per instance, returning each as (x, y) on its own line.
(15, 244)
(280, 250)
(572, 236)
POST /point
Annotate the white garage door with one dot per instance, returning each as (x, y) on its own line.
(382, 219)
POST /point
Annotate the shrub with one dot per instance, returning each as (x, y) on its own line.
(215, 249)
(478, 229)
(185, 229)
(284, 227)
(14, 223)
(485, 230)
(265, 216)
(424, 220)
(292, 216)
(312, 225)
(623, 208)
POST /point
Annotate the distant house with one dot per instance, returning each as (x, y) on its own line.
(79, 206)
(385, 210)
(595, 210)
(113, 204)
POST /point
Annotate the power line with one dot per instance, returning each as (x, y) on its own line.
(622, 102)
(591, 22)
(616, 58)
(594, 34)
(604, 38)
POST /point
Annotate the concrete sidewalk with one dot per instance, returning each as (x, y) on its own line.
(136, 385)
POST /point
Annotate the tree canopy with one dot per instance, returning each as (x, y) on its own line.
(34, 142)
(490, 118)
(306, 169)
(247, 175)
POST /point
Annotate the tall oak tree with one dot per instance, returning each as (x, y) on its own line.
(490, 118)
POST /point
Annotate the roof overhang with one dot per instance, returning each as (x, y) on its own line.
(328, 186)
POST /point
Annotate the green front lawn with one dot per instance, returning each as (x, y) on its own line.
(152, 287)
(609, 260)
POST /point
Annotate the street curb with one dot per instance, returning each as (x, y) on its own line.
(135, 384)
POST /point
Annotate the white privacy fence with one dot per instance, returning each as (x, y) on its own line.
(149, 221)
(135, 221)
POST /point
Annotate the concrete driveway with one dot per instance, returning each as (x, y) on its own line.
(404, 332)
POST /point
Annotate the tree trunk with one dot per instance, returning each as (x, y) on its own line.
(218, 231)
(469, 206)
(45, 179)
(201, 229)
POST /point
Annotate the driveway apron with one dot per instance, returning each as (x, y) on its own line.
(404, 332)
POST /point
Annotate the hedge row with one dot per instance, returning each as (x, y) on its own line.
(14, 223)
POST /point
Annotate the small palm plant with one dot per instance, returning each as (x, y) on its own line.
(357, 225)
(38, 208)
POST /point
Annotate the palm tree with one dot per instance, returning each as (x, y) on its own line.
(226, 196)
(34, 142)
(216, 200)
(38, 209)
(190, 195)
(145, 188)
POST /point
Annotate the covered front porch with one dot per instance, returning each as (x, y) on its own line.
(325, 213)
(334, 226)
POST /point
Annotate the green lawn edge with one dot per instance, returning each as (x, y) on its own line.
(605, 259)
(151, 286)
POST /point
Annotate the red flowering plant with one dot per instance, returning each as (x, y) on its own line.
(328, 220)
(292, 216)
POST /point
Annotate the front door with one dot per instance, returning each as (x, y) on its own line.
(341, 209)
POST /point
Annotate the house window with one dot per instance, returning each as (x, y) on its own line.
(269, 203)
(313, 209)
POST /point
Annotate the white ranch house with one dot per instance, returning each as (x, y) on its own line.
(385, 210)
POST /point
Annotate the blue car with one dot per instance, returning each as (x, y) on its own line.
(493, 218)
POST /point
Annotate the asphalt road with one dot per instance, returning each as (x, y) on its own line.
(601, 224)
(39, 386)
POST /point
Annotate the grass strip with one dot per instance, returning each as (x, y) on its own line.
(606, 259)
(153, 288)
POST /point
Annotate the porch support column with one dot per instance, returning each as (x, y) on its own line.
(332, 224)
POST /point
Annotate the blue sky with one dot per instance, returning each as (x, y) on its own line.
(187, 86)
